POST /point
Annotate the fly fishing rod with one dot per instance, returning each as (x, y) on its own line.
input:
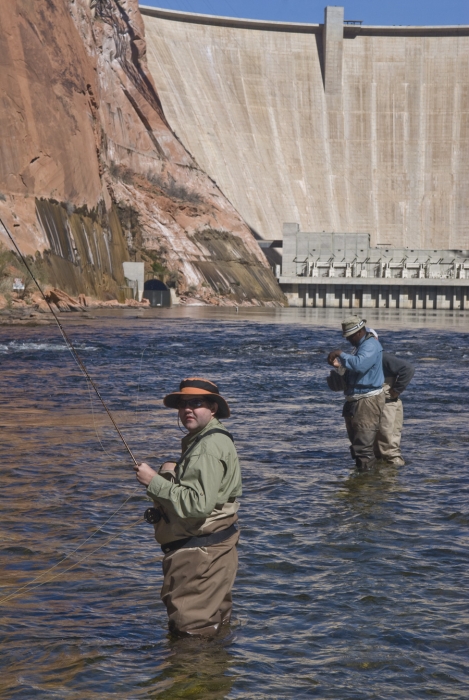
(70, 345)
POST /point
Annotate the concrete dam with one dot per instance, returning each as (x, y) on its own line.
(339, 127)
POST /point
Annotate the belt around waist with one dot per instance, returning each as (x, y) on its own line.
(368, 395)
(200, 540)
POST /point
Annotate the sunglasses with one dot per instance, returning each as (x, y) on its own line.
(190, 403)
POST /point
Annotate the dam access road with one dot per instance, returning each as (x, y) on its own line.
(340, 128)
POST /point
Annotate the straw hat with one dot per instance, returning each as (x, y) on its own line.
(198, 387)
(351, 325)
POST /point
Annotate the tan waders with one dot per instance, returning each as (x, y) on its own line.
(388, 438)
(362, 419)
(197, 587)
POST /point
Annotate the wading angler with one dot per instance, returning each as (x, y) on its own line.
(364, 398)
(397, 375)
(195, 514)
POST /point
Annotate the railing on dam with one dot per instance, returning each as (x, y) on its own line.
(301, 27)
(399, 270)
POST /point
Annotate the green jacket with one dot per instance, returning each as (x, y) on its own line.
(201, 498)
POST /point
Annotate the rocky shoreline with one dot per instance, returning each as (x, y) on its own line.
(34, 310)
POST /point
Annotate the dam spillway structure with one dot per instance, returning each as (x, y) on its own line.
(340, 127)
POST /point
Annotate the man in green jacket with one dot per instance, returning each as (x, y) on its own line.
(195, 515)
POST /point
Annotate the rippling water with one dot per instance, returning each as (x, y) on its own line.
(350, 586)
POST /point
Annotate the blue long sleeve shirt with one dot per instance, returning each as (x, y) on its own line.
(364, 368)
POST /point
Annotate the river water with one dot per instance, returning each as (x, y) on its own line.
(349, 586)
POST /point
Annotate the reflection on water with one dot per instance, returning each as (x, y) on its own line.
(195, 669)
(365, 493)
(350, 585)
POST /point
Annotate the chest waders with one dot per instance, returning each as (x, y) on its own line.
(154, 515)
(362, 415)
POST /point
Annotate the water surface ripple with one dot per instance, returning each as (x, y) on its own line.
(350, 586)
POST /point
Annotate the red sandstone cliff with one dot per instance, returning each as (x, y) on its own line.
(90, 170)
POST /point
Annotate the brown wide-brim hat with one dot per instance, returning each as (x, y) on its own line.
(197, 386)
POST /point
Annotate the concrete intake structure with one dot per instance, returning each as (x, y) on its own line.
(338, 127)
(344, 271)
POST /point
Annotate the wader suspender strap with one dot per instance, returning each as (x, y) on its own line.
(200, 437)
(154, 515)
(201, 540)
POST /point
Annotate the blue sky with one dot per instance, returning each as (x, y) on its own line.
(385, 12)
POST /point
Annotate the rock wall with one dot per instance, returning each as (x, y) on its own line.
(90, 171)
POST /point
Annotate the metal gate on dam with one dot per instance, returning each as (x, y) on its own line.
(339, 127)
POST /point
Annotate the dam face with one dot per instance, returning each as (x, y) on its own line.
(339, 128)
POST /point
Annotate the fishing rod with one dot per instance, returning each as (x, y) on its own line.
(70, 345)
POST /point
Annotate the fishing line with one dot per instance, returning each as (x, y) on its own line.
(138, 387)
(90, 383)
(70, 344)
(21, 591)
(139, 376)
(113, 454)
(95, 426)
(70, 554)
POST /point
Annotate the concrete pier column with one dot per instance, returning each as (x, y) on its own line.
(344, 302)
(430, 301)
(333, 41)
(419, 295)
(367, 299)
